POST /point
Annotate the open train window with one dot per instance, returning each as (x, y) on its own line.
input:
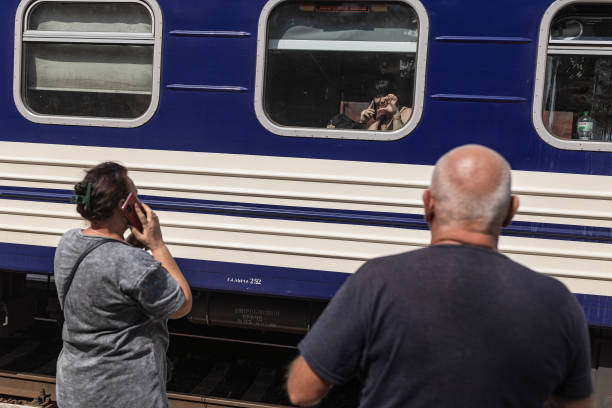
(573, 92)
(340, 69)
(87, 63)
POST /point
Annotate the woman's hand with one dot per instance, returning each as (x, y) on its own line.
(367, 113)
(131, 239)
(392, 102)
(390, 107)
(151, 235)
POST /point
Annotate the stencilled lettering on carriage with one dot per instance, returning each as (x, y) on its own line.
(244, 281)
(259, 317)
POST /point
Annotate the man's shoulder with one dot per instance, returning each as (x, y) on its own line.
(454, 258)
(391, 265)
(426, 255)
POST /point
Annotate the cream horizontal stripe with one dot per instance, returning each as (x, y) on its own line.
(240, 228)
(39, 213)
(244, 173)
(227, 172)
(309, 196)
(587, 286)
(541, 250)
(559, 253)
(213, 244)
(604, 254)
(592, 215)
(560, 273)
(547, 192)
(233, 191)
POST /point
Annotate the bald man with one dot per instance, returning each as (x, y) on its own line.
(456, 324)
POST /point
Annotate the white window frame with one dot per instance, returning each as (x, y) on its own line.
(557, 47)
(419, 84)
(22, 35)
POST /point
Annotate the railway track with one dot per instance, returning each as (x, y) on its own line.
(29, 390)
(209, 370)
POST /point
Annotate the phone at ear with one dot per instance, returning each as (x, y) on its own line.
(128, 209)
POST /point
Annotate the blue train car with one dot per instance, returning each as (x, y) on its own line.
(245, 125)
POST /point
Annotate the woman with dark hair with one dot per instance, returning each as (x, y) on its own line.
(116, 299)
(384, 112)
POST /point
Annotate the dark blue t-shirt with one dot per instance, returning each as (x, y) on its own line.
(458, 326)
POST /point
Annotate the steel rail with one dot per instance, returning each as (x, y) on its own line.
(27, 385)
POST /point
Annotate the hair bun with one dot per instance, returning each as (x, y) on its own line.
(79, 188)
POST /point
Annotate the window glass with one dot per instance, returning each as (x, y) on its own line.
(83, 79)
(578, 84)
(341, 65)
(582, 22)
(92, 17)
(67, 71)
(579, 87)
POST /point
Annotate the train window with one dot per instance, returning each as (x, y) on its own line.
(574, 82)
(341, 70)
(87, 63)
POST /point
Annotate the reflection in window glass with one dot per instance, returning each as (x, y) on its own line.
(341, 65)
(92, 17)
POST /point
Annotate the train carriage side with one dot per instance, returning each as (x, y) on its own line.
(240, 123)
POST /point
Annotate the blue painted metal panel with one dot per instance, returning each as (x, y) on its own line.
(477, 39)
(225, 276)
(477, 98)
(598, 309)
(225, 122)
(26, 258)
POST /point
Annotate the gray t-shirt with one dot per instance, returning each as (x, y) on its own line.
(115, 330)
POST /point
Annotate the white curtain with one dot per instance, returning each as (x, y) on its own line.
(90, 68)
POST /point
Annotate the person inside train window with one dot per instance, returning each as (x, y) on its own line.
(384, 111)
(116, 298)
(321, 60)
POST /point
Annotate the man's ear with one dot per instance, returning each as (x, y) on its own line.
(514, 204)
(428, 205)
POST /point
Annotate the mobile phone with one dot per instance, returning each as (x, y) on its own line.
(128, 209)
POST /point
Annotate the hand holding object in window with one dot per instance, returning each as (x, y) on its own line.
(367, 113)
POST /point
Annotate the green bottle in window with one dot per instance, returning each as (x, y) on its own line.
(585, 127)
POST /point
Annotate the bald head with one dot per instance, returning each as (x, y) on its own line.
(471, 184)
